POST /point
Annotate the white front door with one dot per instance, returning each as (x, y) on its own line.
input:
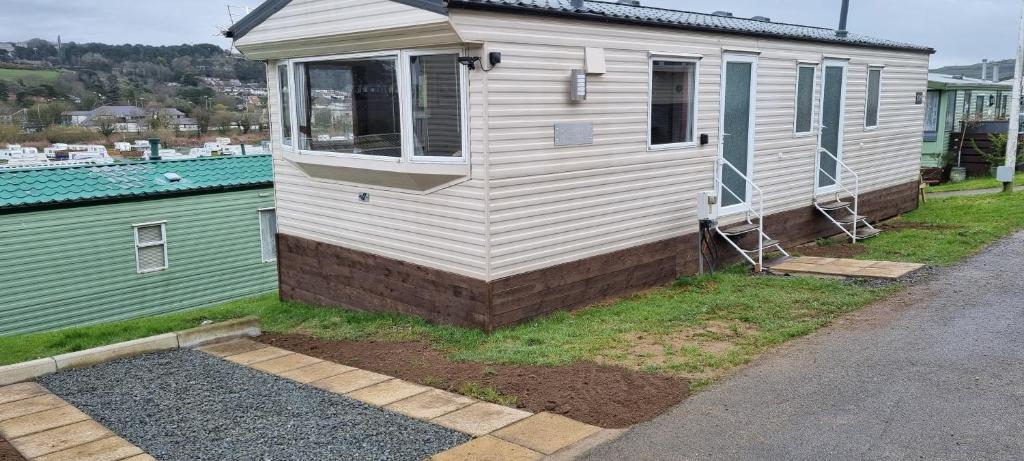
(736, 132)
(830, 140)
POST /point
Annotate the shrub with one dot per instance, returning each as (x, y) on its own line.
(71, 135)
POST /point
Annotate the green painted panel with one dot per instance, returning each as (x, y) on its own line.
(71, 266)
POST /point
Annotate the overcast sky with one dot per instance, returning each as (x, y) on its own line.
(963, 31)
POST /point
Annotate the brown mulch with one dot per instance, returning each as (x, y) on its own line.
(605, 396)
(8, 453)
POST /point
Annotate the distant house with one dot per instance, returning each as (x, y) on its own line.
(953, 99)
(130, 119)
(91, 244)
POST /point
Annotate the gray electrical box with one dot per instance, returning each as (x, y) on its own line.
(574, 134)
(578, 85)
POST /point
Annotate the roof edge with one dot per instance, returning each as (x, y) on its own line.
(270, 7)
(520, 9)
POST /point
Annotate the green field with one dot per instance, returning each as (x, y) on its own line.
(28, 74)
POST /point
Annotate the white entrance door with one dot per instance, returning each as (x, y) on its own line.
(736, 124)
(830, 141)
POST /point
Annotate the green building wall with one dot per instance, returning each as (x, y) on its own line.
(69, 266)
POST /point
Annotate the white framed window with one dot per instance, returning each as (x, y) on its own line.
(874, 92)
(804, 113)
(399, 106)
(268, 234)
(673, 102)
(284, 88)
(150, 247)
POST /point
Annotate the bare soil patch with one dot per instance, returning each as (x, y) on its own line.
(8, 453)
(901, 225)
(647, 350)
(605, 396)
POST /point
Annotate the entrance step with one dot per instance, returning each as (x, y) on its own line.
(830, 206)
(834, 267)
(739, 229)
(866, 232)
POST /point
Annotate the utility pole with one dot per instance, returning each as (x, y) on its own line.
(1014, 131)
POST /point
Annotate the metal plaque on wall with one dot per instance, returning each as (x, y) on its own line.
(574, 134)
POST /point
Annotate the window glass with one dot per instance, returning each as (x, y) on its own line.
(874, 85)
(436, 105)
(981, 106)
(931, 116)
(286, 115)
(950, 110)
(804, 98)
(672, 102)
(150, 248)
(351, 106)
(268, 234)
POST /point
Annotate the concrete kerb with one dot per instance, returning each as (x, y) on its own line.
(25, 371)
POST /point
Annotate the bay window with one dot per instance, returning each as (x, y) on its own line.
(398, 106)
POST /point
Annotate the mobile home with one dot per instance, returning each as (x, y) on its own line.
(953, 100)
(482, 162)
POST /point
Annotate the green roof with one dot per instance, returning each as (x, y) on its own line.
(87, 183)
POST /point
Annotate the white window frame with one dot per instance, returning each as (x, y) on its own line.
(796, 98)
(162, 242)
(291, 89)
(867, 96)
(695, 110)
(404, 93)
(259, 216)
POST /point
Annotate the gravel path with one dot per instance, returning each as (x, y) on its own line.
(934, 372)
(187, 405)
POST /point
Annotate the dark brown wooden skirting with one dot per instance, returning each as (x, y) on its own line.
(328, 275)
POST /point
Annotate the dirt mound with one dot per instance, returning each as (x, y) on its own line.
(606, 396)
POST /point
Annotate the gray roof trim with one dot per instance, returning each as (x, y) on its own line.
(676, 19)
(270, 7)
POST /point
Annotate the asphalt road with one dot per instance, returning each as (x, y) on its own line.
(937, 372)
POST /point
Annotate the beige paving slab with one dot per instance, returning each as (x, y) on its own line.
(61, 438)
(481, 418)
(285, 363)
(233, 347)
(488, 448)
(315, 372)
(796, 267)
(20, 391)
(112, 448)
(258, 355)
(546, 432)
(430, 404)
(30, 405)
(813, 260)
(350, 381)
(41, 421)
(896, 265)
(387, 392)
(142, 457)
(881, 273)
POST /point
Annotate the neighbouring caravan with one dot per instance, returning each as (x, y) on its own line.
(483, 162)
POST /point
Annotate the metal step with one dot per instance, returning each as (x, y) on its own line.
(867, 232)
(766, 244)
(830, 206)
(850, 219)
(738, 229)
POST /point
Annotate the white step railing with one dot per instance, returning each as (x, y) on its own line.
(748, 211)
(854, 194)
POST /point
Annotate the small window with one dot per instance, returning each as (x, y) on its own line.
(1004, 107)
(931, 116)
(874, 97)
(673, 101)
(980, 101)
(268, 234)
(967, 102)
(285, 95)
(150, 247)
(804, 98)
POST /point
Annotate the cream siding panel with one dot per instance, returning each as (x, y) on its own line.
(313, 19)
(444, 230)
(553, 205)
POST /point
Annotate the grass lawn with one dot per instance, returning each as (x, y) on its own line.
(975, 184)
(698, 327)
(15, 74)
